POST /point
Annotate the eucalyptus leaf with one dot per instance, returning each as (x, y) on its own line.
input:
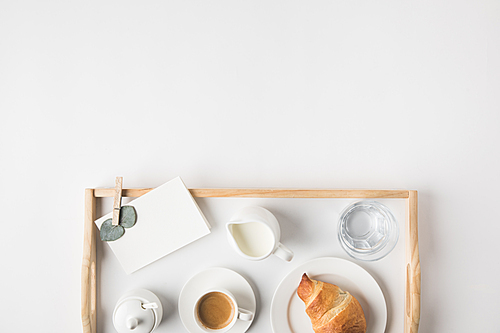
(128, 216)
(110, 232)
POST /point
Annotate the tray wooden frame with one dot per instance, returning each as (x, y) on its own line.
(412, 259)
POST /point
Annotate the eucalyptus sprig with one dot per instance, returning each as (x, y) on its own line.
(110, 232)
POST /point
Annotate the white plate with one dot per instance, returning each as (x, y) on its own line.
(216, 277)
(288, 311)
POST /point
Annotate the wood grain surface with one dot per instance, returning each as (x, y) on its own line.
(268, 193)
(412, 294)
(88, 286)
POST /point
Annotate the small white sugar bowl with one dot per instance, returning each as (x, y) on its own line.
(137, 311)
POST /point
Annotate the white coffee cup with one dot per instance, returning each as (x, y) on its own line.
(217, 311)
(254, 233)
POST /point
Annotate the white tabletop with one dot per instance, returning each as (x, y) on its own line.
(298, 94)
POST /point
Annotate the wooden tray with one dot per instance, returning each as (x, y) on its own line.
(412, 275)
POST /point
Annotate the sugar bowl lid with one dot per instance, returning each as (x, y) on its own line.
(136, 313)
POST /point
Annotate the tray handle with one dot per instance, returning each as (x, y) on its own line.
(412, 291)
(89, 290)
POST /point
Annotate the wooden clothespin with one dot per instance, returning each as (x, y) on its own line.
(117, 202)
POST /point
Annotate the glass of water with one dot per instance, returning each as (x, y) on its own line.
(367, 230)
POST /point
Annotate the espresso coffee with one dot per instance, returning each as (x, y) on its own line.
(215, 310)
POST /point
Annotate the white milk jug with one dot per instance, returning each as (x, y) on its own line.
(254, 233)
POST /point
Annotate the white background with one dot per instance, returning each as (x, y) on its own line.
(307, 94)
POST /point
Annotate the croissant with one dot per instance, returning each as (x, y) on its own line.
(331, 310)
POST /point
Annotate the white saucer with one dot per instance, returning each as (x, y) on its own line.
(288, 311)
(216, 277)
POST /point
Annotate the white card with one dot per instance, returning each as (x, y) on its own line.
(168, 218)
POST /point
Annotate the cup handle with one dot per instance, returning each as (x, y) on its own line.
(245, 315)
(283, 252)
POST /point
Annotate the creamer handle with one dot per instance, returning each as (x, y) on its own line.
(283, 252)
